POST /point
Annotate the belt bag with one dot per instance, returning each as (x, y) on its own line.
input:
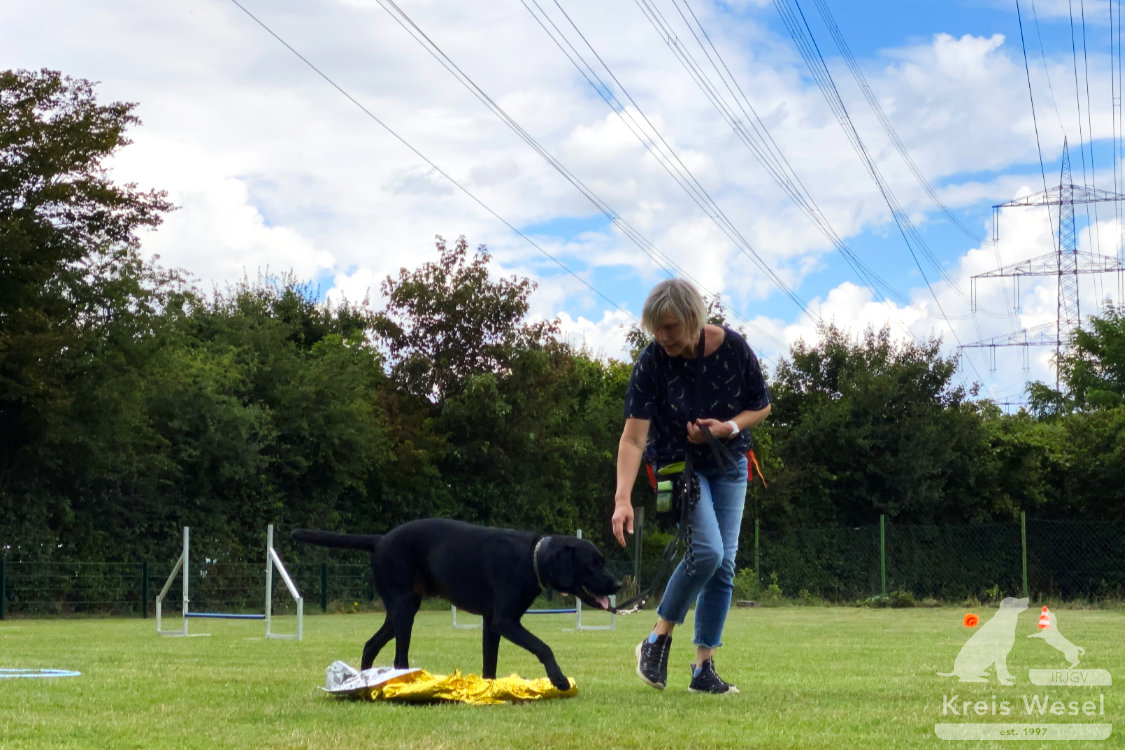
(675, 486)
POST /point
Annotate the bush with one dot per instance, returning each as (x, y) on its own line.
(806, 598)
(746, 585)
(772, 595)
(902, 598)
(898, 598)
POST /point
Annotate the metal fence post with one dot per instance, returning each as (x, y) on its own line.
(324, 587)
(757, 553)
(883, 552)
(1023, 547)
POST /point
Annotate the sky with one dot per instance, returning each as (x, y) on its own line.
(809, 162)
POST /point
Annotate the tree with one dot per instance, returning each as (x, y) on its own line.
(65, 227)
(73, 290)
(67, 233)
(272, 407)
(447, 321)
(534, 447)
(867, 428)
(1092, 369)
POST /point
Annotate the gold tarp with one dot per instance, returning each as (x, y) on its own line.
(419, 686)
(422, 687)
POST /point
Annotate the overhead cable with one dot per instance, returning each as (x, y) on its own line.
(308, 63)
(635, 235)
(798, 29)
(888, 128)
(752, 132)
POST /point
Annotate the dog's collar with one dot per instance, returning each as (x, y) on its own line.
(535, 560)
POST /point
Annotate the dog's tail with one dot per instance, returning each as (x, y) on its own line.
(334, 539)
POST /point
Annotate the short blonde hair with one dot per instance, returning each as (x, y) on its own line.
(678, 297)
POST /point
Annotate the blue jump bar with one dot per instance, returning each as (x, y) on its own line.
(224, 616)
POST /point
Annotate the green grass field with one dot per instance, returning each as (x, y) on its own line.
(831, 677)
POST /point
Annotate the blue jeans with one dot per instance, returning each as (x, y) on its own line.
(716, 523)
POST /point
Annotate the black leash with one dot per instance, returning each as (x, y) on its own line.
(690, 487)
(683, 530)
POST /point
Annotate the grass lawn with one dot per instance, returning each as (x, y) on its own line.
(832, 677)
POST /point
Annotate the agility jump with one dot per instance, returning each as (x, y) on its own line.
(272, 560)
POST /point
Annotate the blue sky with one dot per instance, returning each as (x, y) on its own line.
(440, 118)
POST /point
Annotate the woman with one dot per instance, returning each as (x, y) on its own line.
(673, 394)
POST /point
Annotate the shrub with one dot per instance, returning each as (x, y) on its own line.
(901, 598)
(746, 585)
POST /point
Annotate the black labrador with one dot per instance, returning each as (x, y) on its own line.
(494, 573)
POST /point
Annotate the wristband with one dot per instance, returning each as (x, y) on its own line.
(734, 426)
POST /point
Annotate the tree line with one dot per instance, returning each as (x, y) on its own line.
(132, 403)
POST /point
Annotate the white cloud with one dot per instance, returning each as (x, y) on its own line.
(275, 168)
(604, 338)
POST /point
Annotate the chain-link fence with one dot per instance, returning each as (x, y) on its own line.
(53, 588)
(1069, 560)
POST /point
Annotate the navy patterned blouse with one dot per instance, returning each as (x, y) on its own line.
(662, 390)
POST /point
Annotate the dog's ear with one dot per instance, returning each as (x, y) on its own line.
(558, 566)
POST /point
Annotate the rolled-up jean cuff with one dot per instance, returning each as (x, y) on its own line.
(672, 620)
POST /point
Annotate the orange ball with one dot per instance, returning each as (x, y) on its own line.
(971, 620)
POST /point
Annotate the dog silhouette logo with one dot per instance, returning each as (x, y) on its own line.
(988, 647)
(1056, 640)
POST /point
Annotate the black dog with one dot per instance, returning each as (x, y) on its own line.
(495, 573)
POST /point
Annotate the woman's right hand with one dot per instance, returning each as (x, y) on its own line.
(622, 521)
(629, 452)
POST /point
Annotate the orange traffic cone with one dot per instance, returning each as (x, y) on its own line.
(1044, 620)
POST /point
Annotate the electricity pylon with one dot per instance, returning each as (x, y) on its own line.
(1065, 262)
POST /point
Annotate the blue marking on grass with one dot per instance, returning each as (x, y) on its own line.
(11, 673)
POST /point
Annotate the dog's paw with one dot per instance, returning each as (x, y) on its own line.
(560, 682)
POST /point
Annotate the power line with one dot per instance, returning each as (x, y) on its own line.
(1082, 139)
(810, 52)
(1046, 68)
(425, 158)
(1031, 97)
(1115, 57)
(797, 26)
(888, 128)
(404, 20)
(758, 140)
(782, 170)
(643, 128)
(762, 332)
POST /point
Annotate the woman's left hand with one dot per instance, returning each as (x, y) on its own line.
(717, 428)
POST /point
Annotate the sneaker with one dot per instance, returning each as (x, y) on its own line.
(652, 661)
(707, 681)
